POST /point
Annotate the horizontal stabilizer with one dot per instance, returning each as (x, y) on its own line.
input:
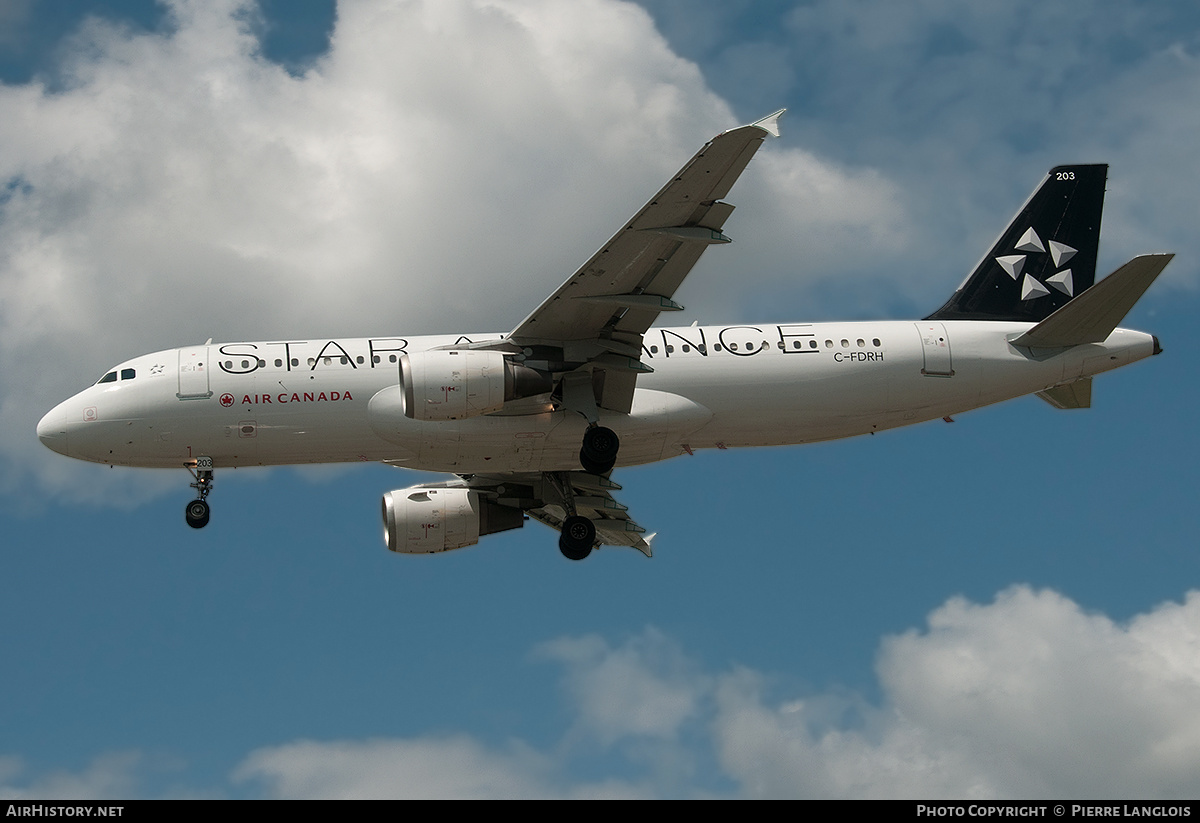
(1092, 316)
(1074, 395)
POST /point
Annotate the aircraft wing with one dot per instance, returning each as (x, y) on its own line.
(599, 315)
(547, 496)
(592, 497)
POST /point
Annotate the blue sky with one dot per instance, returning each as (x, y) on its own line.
(1002, 607)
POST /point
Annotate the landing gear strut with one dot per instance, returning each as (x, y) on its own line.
(578, 535)
(196, 513)
(599, 452)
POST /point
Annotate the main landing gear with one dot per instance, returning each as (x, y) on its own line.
(578, 535)
(196, 513)
(597, 455)
(599, 452)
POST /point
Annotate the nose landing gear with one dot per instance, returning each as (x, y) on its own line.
(196, 513)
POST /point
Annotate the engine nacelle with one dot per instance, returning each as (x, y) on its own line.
(423, 520)
(456, 384)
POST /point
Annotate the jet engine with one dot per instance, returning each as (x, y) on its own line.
(426, 519)
(455, 384)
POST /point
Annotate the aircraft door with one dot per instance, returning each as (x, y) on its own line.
(193, 374)
(935, 344)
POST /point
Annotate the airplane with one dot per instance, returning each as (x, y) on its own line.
(532, 423)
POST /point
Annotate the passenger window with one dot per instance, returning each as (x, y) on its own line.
(278, 362)
(111, 377)
(128, 374)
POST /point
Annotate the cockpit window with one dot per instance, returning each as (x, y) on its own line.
(128, 374)
(111, 377)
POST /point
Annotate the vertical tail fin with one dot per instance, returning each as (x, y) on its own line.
(1045, 257)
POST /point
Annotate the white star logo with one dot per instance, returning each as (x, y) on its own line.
(1031, 288)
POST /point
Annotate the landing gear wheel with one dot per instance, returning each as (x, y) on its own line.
(591, 467)
(599, 452)
(196, 514)
(578, 535)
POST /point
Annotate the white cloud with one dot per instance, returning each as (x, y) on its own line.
(1052, 700)
(1029, 696)
(965, 107)
(109, 776)
(445, 165)
(451, 767)
(644, 688)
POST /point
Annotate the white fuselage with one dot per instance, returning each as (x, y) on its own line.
(326, 401)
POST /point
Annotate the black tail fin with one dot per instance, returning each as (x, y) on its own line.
(1045, 257)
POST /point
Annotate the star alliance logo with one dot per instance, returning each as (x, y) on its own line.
(1031, 287)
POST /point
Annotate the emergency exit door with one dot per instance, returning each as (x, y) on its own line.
(935, 345)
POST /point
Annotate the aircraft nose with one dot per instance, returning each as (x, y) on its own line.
(52, 430)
